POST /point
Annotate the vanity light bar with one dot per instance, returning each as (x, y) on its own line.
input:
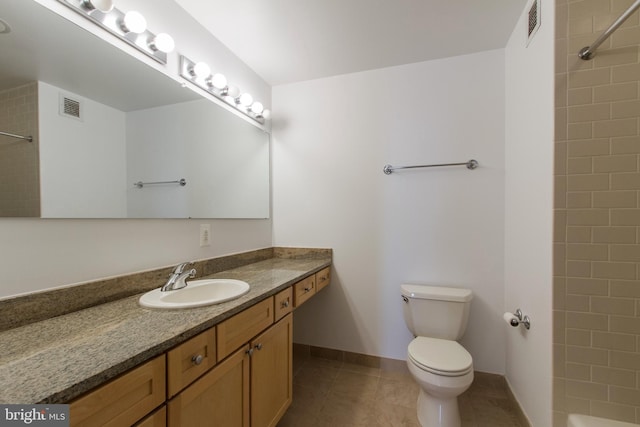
(129, 27)
(200, 75)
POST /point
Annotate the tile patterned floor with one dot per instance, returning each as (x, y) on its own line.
(340, 394)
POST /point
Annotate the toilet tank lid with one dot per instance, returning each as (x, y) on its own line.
(439, 293)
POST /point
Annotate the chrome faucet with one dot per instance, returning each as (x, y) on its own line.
(177, 280)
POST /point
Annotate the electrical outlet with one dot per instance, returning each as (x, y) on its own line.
(205, 235)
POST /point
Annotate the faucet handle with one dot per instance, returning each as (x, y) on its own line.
(180, 267)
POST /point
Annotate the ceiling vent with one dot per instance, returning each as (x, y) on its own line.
(534, 20)
(70, 107)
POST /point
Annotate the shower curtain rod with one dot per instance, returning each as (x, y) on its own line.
(12, 135)
(587, 52)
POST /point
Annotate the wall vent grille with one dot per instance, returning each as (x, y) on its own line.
(70, 107)
(534, 20)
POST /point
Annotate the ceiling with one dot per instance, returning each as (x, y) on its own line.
(286, 41)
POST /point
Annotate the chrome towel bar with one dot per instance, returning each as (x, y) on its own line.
(13, 135)
(471, 164)
(588, 51)
(141, 184)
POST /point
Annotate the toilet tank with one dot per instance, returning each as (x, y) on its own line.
(436, 311)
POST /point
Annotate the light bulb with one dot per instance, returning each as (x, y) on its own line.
(266, 114)
(202, 70)
(246, 99)
(134, 22)
(219, 81)
(104, 6)
(257, 107)
(233, 92)
(163, 42)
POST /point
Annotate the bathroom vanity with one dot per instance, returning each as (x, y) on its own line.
(119, 363)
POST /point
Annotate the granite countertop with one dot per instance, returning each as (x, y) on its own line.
(58, 359)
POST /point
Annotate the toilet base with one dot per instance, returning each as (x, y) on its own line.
(438, 412)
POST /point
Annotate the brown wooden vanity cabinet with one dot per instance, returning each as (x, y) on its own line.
(252, 387)
(238, 373)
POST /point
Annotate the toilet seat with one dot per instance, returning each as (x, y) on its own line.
(440, 357)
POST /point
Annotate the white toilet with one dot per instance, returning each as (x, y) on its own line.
(437, 317)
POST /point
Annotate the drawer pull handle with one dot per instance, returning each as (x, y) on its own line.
(307, 289)
(197, 359)
(284, 304)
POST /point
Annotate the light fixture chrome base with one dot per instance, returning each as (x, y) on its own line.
(186, 72)
(111, 21)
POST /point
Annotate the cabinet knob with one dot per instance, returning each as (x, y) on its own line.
(258, 346)
(249, 352)
(307, 289)
(284, 303)
(197, 359)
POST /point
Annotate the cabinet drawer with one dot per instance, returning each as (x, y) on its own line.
(283, 304)
(239, 329)
(124, 400)
(304, 289)
(189, 360)
(323, 277)
(157, 419)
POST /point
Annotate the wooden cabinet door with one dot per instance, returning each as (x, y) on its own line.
(271, 373)
(218, 399)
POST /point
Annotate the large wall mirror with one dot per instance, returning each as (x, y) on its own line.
(101, 121)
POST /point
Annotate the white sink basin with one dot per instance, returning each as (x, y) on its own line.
(198, 293)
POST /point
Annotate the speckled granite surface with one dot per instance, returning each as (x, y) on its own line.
(58, 359)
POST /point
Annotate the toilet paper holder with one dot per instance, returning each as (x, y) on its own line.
(519, 318)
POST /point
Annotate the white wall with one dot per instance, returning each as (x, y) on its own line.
(82, 162)
(528, 212)
(219, 155)
(444, 226)
(40, 254)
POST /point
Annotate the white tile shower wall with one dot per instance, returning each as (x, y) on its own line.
(442, 226)
(19, 178)
(72, 251)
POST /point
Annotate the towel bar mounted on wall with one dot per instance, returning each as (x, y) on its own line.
(13, 135)
(141, 184)
(471, 164)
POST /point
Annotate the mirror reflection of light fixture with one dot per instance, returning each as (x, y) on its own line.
(130, 27)
(134, 22)
(219, 81)
(104, 6)
(257, 107)
(200, 75)
(163, 42)
(201, 70)
(245, 100)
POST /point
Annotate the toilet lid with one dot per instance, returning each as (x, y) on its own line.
(440, 356)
